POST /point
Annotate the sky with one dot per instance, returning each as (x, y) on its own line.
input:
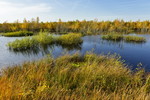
(52, 10)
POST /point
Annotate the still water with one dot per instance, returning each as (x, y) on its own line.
(132, 53)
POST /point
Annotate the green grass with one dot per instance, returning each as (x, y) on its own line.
(70, 39)
(72, 77)
(18, 34)
(134, 39)
(23, 44)
(113, 37)
(44, 38)
(27, 43)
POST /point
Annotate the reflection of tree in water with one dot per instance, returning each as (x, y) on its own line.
(118, 44)
(46, 49)
(30, 51)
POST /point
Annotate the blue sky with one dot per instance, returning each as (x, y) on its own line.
(52, 10)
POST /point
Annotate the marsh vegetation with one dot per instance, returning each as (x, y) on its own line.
(74, 77)
(18, 34)
(116, 37)
(134, 39)
(44, 38)
(113, 37)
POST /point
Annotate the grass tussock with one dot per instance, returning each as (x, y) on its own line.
(23, 44)
(70, 39)
(73, 77)
(134, 39)
(31, 42)
(113, 37)
(18, 34)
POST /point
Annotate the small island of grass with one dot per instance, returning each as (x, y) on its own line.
(113, 37)
(18, 34)
(134, 39)
(44, 38)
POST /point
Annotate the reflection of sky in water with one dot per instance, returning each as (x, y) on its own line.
(131, 52)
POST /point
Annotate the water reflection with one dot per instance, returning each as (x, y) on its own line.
(46, 49)
(121, 44)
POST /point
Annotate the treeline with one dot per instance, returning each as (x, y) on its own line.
(86, 27)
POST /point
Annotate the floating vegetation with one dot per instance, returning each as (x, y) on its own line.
(18, 34)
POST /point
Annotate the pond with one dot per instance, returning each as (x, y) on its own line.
(132, 53)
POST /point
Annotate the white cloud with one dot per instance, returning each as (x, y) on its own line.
(11, 11)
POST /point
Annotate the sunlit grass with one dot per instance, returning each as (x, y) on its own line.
(75, 78)
(18, 34)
